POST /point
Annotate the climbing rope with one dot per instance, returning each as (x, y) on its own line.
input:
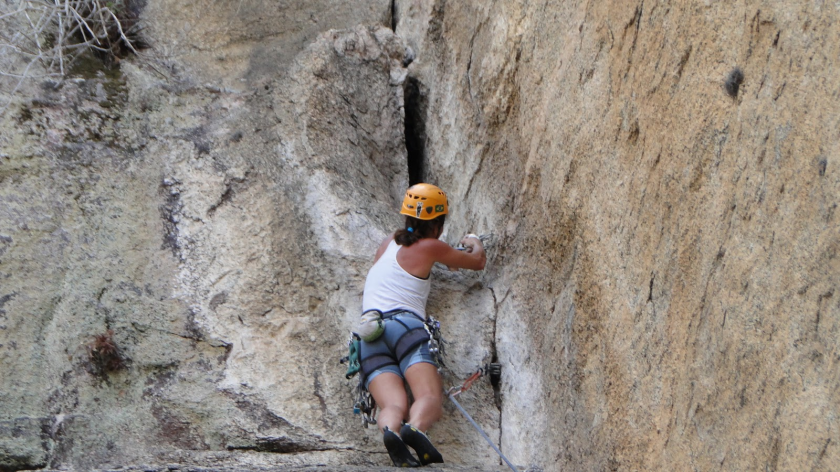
(492, 369)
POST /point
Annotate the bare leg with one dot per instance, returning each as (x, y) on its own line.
(389, 392)
(427, 389)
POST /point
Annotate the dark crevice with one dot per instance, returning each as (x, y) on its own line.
(496, 380)
(394, 18)
(415, 129)
(650, 289)
(282, 445)
(226, 197)
(232, 185)
(496, 377)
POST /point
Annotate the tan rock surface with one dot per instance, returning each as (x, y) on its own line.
(667, 262)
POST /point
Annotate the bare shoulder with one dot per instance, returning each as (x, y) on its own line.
(382, 247)
(432, 246)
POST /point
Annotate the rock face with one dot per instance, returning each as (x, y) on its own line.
(235, 42)
(667, 257)
(183, 243)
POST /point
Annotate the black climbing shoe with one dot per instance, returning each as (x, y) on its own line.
(400, 455)
(421, 445)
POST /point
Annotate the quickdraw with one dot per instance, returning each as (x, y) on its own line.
(437, 344)
(494, 370)
(365, 405)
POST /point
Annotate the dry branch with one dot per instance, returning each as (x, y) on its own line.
(54, 33)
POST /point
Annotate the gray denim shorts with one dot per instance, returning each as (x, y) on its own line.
(402, 327)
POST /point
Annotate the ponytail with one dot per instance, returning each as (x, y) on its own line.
(416, 229)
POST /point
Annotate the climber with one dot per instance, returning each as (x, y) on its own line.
(395, 340)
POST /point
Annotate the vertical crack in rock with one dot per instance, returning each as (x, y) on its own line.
(495, 382)
(650, 288)
(394, 19)
(415, 129)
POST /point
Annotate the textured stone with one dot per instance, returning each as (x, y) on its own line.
(667, 259)
(247, 39)
(24, 443)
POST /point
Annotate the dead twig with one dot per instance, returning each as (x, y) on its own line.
(52, 34)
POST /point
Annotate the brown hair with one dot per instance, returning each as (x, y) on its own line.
(419, 229)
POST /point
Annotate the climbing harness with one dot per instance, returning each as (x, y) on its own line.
(357, 363)
(406, 331)
(494, 370)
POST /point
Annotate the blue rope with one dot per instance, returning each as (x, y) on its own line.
(483, 434)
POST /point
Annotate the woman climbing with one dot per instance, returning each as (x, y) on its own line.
(396, 290)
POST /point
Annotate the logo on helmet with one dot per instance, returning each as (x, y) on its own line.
(419, 209)
(438, 208)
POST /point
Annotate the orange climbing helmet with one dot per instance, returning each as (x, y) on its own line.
(424, 202)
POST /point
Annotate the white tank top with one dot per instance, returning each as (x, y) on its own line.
(389, 287)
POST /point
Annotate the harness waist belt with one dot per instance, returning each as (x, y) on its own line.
(393, 313)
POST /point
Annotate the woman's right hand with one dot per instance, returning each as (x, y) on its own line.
(470, 242)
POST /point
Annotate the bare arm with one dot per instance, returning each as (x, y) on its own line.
(472, 258)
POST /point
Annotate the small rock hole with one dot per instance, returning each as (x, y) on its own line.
(733, 82)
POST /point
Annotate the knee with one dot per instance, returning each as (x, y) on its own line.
(436, 397)
(433, 402)
(396, 408)
(395, 405)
